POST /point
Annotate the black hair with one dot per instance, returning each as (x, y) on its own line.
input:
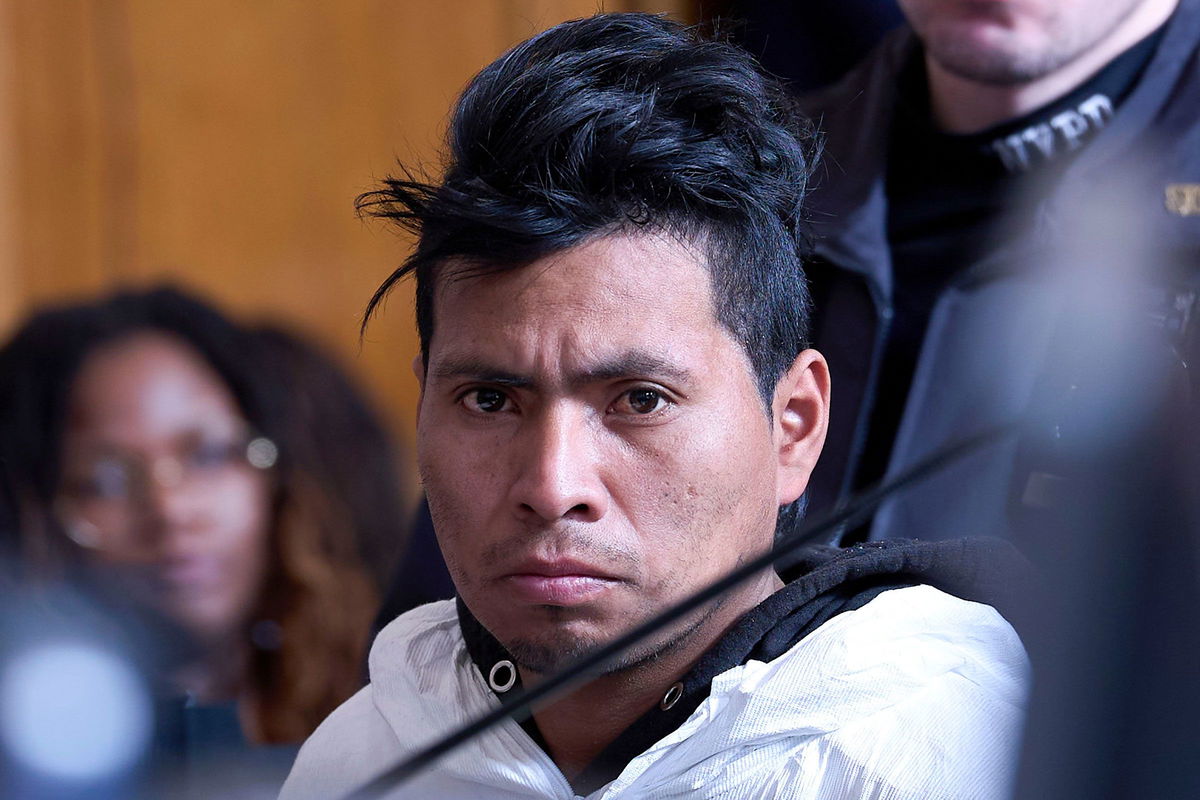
(614, 124)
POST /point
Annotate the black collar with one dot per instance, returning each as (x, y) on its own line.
(1051, 134)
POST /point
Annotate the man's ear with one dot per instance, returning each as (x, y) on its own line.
(801, 417)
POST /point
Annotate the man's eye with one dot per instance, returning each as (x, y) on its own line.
(643, 401)
(488, 401)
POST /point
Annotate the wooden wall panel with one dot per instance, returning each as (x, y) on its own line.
(12, 287)
(219, 144)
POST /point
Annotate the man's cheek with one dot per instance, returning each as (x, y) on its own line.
(448, 513)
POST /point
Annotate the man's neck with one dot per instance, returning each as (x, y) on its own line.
(577, 727)
(961, 105)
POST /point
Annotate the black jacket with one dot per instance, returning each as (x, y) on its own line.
(984, 355)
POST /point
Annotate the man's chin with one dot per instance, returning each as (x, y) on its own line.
(545, 657)
(559, 649)
(992, 58)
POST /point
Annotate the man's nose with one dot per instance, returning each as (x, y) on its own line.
(559, 471)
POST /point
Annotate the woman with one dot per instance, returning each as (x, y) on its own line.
(151, 445)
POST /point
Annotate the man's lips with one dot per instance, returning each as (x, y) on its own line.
(559, 583)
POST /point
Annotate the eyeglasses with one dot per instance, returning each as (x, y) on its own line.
(101, 499)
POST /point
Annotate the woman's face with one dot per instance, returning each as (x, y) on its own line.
(157, 485)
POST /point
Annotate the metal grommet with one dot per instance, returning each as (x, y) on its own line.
(498, 668)
(672, 696)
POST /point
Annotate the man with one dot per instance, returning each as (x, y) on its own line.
(957, 157)
(617, 406)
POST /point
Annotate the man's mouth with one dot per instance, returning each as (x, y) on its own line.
(561, 582)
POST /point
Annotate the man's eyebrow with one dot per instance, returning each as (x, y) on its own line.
(633, 364)
(630, 364)
(480, 371)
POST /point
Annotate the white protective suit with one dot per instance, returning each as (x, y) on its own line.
(917, 694)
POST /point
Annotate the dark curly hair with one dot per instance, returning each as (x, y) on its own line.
(614, 124)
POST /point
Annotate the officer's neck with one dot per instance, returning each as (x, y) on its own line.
(962, 105)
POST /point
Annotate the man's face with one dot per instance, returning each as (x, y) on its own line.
(592, 445)
(1009, 42)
